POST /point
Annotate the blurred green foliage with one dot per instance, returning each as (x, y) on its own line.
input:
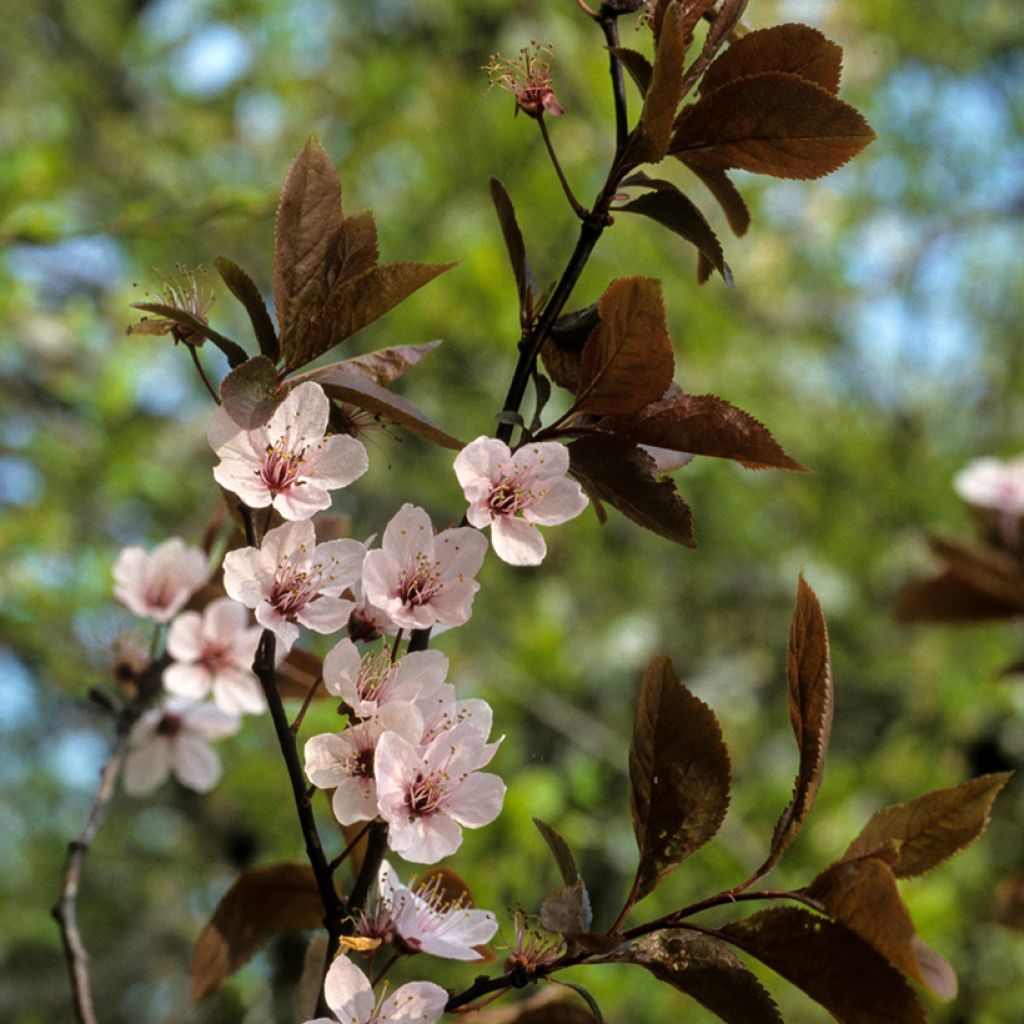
(875, 327)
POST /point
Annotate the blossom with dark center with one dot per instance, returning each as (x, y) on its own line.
(289, 463)
(292, 580)
(214, 652)
(156, 584)
(528, 78)
(428, 795)
(417, 578)
(513, 492)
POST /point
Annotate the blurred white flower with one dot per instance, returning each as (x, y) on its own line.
(992, 483)
(156, 584)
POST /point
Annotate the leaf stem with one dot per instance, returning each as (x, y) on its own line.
(343, 856)
(202, 373)
(576, 205)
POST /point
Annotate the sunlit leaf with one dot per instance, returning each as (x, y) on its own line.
(615, 470)
(627, 361)
(831, 964)
(720, 185)
(706, 970)
(651, 139)
(678, 772)
(386, 365)
(260, 902)
(928, 830)
(794, 49)
(777, 124)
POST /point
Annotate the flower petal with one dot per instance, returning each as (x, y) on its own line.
(517, 542)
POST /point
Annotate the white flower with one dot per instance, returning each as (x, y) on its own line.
(667, 459)
(426, 797)
(367, 622)
(157, 584)
(367, 683)
(513, 492)
(291, 579)
(350, 996)
(429, 922)
(345, 761)
(419, 579)
(174, 738)
(993, 483)
(442, 712)
(289, 463)
(214, 651)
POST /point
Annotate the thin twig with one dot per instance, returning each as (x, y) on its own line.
(384, 970)
(202, 373)
(343, 856)
(577, 206)
(306, 701)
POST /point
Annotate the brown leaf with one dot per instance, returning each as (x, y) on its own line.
(566, 911)
(236, 355)
(771, 123)
(386, 365)
(650, 140)
(562, 349)
(677, 212)
(615, 470)
(950, 598)
(993, 571)
(928, 830)
(705, 969)
(359, 302)
(249, 393)
(560, 851)
(678, 772)
(828, 962)
(810, 714)
(260, 902)
(627, 361)
(1009, 902)
(358, 390)
(309, 219)
(862, 895)
(514, 244)
(244, 289)
(355, 251)
(704, 425)
(793, 49)
(720, 185)
(638, 66)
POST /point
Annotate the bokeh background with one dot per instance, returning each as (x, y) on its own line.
(874, 326)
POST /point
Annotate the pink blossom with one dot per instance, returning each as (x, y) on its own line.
(349, 994)
(369, 682)
(289, 463)
(367, 622)
(427, 921)
(442, 712)
(214, 651)
(992, 483)
(427, 795)
(419, 579)
(345, 761)
(174, 738)
(291, 579)
(156, 584)
(512, 492)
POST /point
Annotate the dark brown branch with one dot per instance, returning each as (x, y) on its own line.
(609, 23)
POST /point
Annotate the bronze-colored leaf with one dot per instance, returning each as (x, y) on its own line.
(249, 393)
(720, 185)
(244, 289)
(386, 365)
(562, 349)
(862, 895)
(810, 713)
(567, 911)
(355, 251)
(627, 362)
(828, 962)
(650, 140)
(793, 49)
(615, 470)
(560, 851)
(677, 212)
(948, 597)
(705, 969)
(514, 244)
(236, 355)
(995, 572)
(928, 830)
(704, 425)
(678, 772)
(309, 219)
(772, 123)
(260, 902)
(360, 391)
(638, 66)
(357, 303)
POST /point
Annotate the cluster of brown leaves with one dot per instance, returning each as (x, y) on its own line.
(852, 947)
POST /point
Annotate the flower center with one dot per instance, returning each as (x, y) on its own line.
(426, 794)
(169, 725)
(215, 658)
(420, 584)
(280, 467)
(376, 674)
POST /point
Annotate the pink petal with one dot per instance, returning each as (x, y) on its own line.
(302, 415)
(223, 620)
(517, 542)
(247, 576)
(190, 681)
(325, 757)
(461, 551)
(325, 614)
(341, 669)
(239, 693)
(296, 541)
(545, 459)
(302, 500)
(478, 800)
(355, 799)
(185, 637)
(196, 764)
(561, 501)
(418, 1002)
(408, 532)
(348, 993)
(337, 462)
(146, 767)
(480, 461)
(242, 476)
(342, 562)
(270, 618)
(380, 576)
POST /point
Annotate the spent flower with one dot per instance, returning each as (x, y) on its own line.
(191, 294)
(528, 78)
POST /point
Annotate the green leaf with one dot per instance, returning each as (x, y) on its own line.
(828, 962)
(615, 470)
(679, 775)
(705, 969)
(244, 289)
(926, 831)
(627, 362)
